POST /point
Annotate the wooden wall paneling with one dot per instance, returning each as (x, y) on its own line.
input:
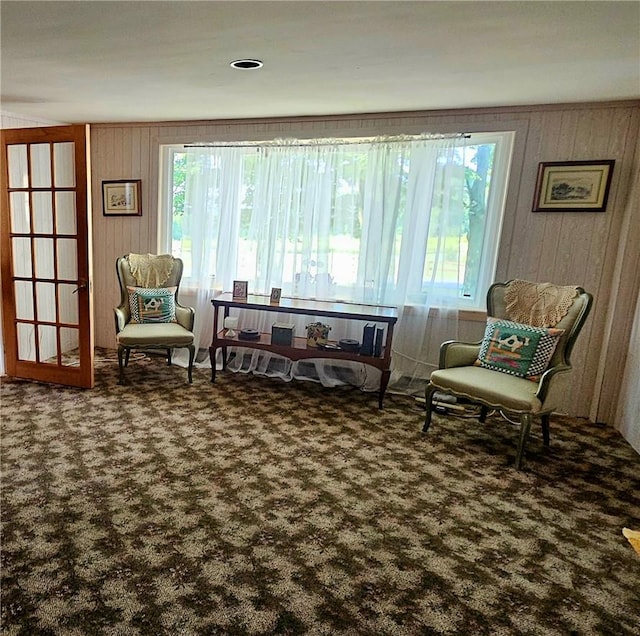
(627, 394)
(105, 236)
(585, 354)
(603, 231)
(588, 258)
(102, 139)
(626, 279)
(134, 171)
(623, 252)
(125, 141)
(551, 245)
(150, 159)
(602, 239)
(565, 249)
(540, 229)
(558, 245)
(120, 228)
(109, 162)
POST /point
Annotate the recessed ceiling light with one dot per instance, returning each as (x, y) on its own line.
(246, 65)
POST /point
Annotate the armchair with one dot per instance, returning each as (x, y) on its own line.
(490, 373)
(149, 315)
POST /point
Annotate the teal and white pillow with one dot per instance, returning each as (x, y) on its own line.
(152, 305)
(517, 349)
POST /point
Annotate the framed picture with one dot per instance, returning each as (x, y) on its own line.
(240, 289)
(276, 294)
(121, 198)
(573, 186)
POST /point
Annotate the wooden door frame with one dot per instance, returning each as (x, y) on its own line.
(82, 375)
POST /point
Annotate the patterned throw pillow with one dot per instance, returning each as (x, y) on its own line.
(517, 349)
(152, 305)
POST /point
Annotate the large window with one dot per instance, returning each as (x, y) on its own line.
(374, 220)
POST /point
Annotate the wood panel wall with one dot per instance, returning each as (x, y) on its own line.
(599, 251)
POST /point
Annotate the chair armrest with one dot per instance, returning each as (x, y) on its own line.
(185, 316)
(122, 316)
(458, 354)
(551, 386)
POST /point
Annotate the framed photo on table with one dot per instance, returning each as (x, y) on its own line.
(121, 198)
(573, 186)
(276, 294)
(240, 289)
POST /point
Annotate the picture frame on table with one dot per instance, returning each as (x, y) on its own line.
(573, 186)
(276, 295)
(122, 197)
(240, 289)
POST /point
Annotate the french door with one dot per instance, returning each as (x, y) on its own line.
(46, 278)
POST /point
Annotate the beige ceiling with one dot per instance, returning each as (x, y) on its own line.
(98, 61)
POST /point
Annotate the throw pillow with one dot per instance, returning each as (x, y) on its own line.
(517, 349)
(152, 304)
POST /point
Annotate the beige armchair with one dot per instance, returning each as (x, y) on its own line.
(494, 373)
(149, 315)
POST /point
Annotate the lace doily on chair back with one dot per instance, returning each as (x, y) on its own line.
(538, 304)
(150, 270)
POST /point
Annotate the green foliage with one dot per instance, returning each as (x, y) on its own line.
(477, 181)
(179, 182)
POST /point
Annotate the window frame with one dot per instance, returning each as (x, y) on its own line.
(503, 159)
(496, 203)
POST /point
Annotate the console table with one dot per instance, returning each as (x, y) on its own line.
(299, 350)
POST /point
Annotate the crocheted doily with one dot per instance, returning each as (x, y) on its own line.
(150, 270)
(538, 304)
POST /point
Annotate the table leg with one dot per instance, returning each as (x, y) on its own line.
(212, 357)
(384, 382)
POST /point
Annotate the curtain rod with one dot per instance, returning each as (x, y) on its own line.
(290, 141)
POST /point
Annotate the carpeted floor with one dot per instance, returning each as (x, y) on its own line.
(255, 506)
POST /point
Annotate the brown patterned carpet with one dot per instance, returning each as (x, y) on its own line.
(255, 506)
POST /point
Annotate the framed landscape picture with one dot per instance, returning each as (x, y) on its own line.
(121, 198)
(573, 186)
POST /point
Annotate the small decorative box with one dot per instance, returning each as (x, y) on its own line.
(282, 333)
(317, 334)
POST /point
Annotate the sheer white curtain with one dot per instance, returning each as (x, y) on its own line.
(379, 222)
(430, 263)
(209, 235)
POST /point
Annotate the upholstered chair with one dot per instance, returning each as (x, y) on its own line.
(149, 315)
(523, 361)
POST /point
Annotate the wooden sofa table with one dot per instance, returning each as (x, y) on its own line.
(299, 350)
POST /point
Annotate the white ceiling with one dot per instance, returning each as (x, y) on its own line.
(94, 61)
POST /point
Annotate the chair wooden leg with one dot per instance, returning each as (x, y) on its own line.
(428, 394)
(121, 363)
(169, 357)
(525, 427)
(192, 355)
(545, 429)
(127, 353)
(483, 413)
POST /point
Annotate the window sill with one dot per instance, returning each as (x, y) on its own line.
(469, 315)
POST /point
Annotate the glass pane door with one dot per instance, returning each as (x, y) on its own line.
(47, 220)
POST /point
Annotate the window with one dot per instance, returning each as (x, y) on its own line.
(385, 221)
